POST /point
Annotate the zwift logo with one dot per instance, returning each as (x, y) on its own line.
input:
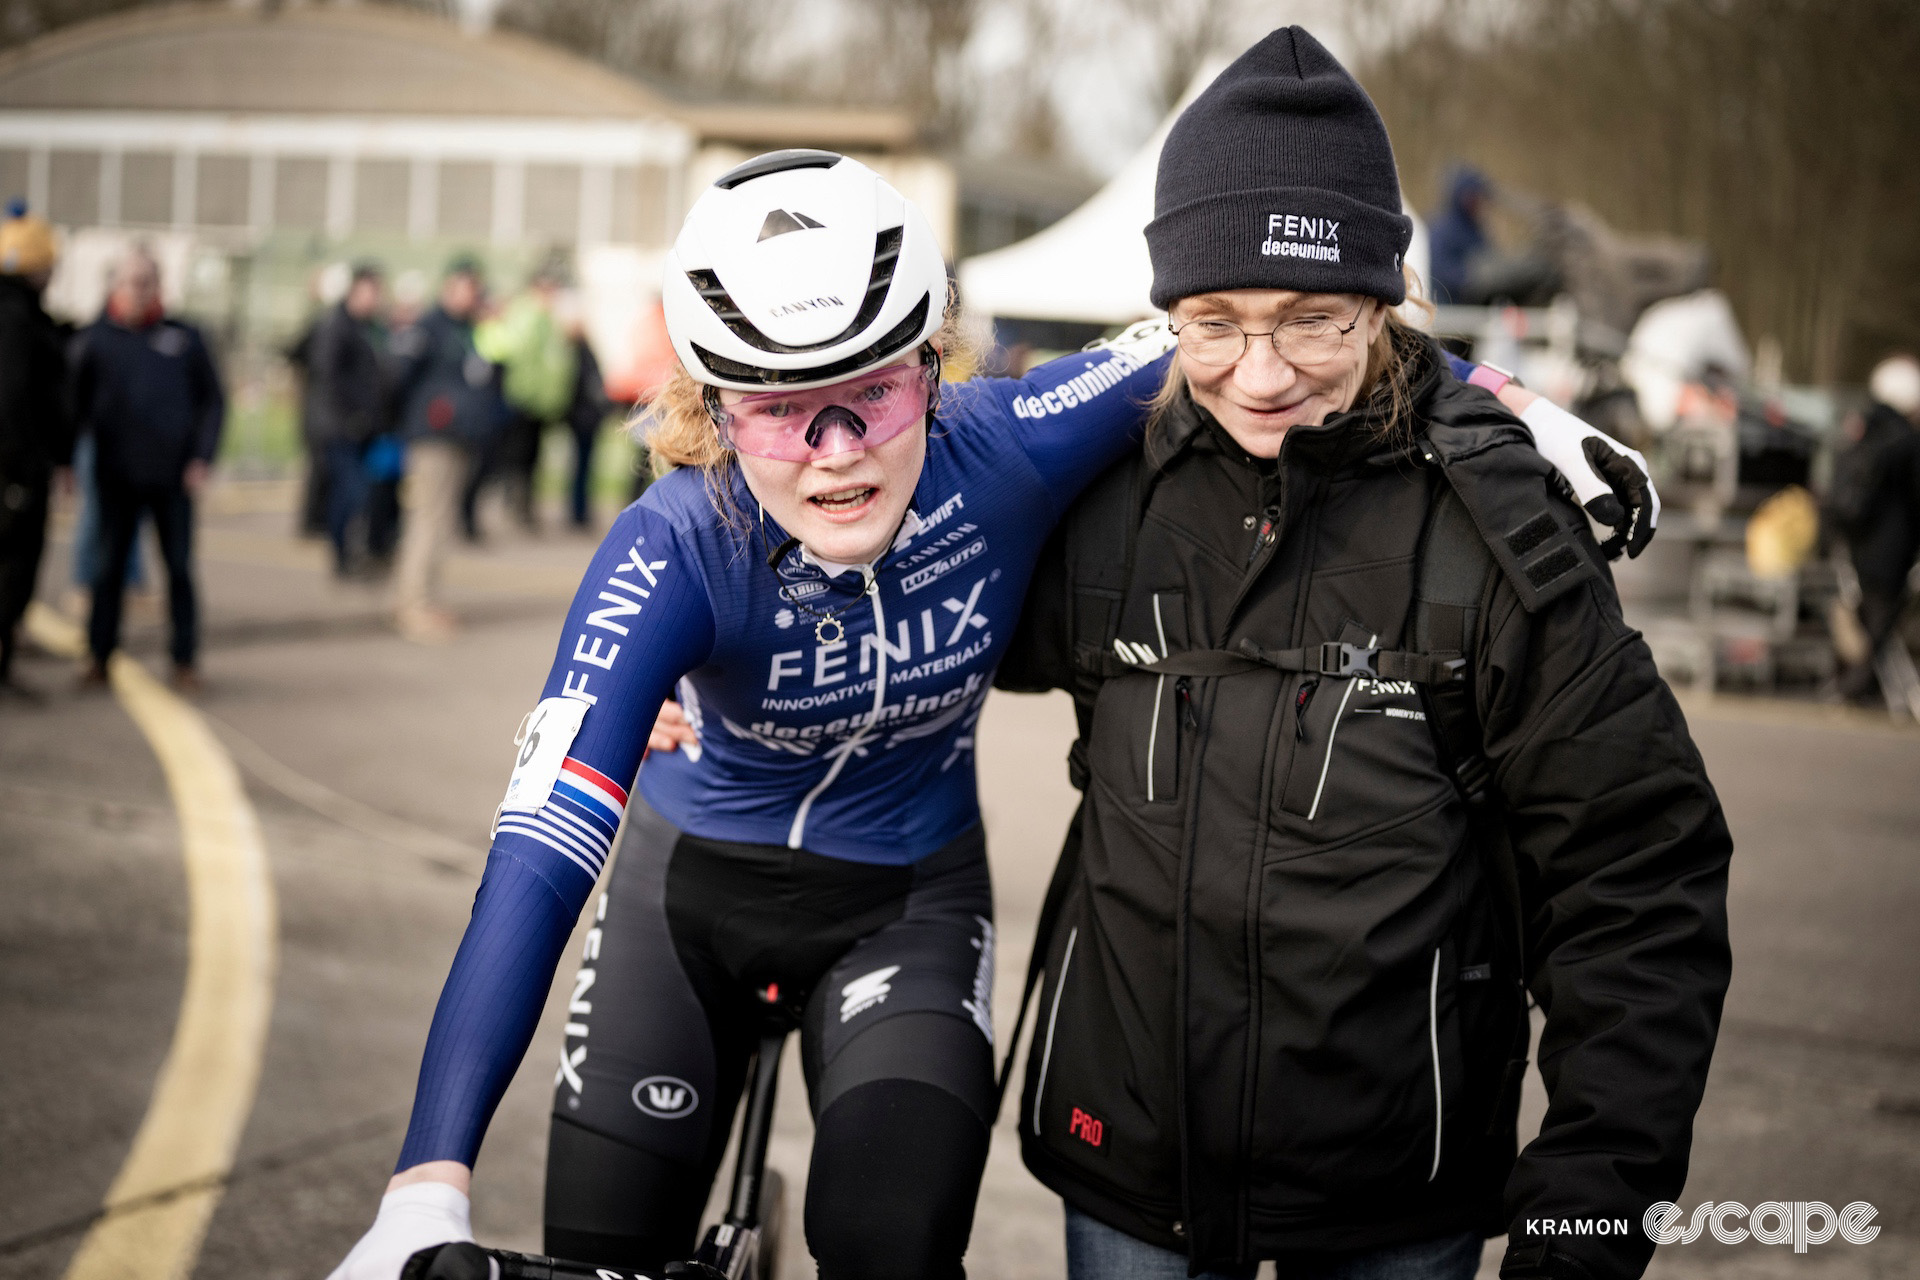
(865, 991)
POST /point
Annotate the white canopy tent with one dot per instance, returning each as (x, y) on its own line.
(1092, 266)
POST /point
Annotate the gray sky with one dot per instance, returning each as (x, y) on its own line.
(1098, 90)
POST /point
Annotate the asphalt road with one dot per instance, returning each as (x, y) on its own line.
(374, 767)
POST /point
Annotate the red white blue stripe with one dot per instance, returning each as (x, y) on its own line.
(592, 790)
(579, 818)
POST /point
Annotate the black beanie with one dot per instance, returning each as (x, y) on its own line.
(1279, 176)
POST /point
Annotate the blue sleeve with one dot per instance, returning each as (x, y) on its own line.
(1074, 416)
(1461, 369)
(640, 620)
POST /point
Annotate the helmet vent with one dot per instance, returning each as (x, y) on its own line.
(777, 162)
(891, 343)
(886, 256)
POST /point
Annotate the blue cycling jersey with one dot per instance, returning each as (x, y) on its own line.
(836, 710)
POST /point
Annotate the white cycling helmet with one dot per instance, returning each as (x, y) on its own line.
(798, 269)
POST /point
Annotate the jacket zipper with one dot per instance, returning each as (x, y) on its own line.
(797, 832)
(1159, 691)
(1046, 1054)
(1333, 731)
(1264, 540)
(1433, 1040)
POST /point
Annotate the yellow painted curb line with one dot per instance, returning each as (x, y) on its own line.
(157, 1210)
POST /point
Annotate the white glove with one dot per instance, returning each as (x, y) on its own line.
(1611, 481)
(411, 1218)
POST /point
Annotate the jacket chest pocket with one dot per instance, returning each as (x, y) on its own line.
(1363, 753)
(1149, 719)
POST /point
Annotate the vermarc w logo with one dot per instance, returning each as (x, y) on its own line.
(665, 1097)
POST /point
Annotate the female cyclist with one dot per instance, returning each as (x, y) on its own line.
(829, 577)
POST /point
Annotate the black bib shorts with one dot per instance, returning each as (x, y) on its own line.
(887, 970)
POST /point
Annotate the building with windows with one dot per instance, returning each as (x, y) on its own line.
(250, 145)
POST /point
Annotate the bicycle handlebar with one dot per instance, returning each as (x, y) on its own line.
(468, 1261)
(731, 1251)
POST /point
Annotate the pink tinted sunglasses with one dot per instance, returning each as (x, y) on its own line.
(800, 426)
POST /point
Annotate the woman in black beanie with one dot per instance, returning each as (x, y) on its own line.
(1368, 754)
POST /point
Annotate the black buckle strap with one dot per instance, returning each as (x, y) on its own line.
(1338, 658)
(1334, 658)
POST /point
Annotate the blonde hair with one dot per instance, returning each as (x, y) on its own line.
(679, 432)
(1386, 389)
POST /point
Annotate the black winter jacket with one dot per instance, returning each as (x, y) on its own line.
(36, 429)
(1875, 499)
(443, 387)
(346, 397)
(1283, 1010)
(151, 397)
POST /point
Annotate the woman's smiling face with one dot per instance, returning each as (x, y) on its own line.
(1262, 394)
(846, 506)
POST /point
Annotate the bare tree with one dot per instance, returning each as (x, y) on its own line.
(1184, 34)
(1783, 133)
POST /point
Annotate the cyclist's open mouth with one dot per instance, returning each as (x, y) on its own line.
(843, 502)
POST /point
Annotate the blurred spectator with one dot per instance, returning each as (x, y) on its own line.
(346, 402)
(146, 391)
(89, 546)
(329, 285)
(36, 433)
(387, 456)
(385, 464)
(449, 411)
(587, 411)
(411, 293)
(1456, 233)
(1874, 504)
(539, 359)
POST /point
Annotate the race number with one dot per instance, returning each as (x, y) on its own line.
(541, 745)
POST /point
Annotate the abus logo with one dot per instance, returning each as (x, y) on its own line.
(665, 1097)
(1772, 1222)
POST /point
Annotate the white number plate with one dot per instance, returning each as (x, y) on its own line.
(542, 743)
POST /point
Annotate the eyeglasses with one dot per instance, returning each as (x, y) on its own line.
(800, 426)
(1310, 340)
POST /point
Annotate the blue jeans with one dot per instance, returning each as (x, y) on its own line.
(121, 508)
(346, 495)
(89, 544)
(1095, 1251)
(578, 495)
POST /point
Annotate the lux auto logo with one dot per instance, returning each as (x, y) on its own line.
(665, 1097)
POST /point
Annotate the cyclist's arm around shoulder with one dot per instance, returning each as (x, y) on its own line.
(1072, 417)
(640, 619)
